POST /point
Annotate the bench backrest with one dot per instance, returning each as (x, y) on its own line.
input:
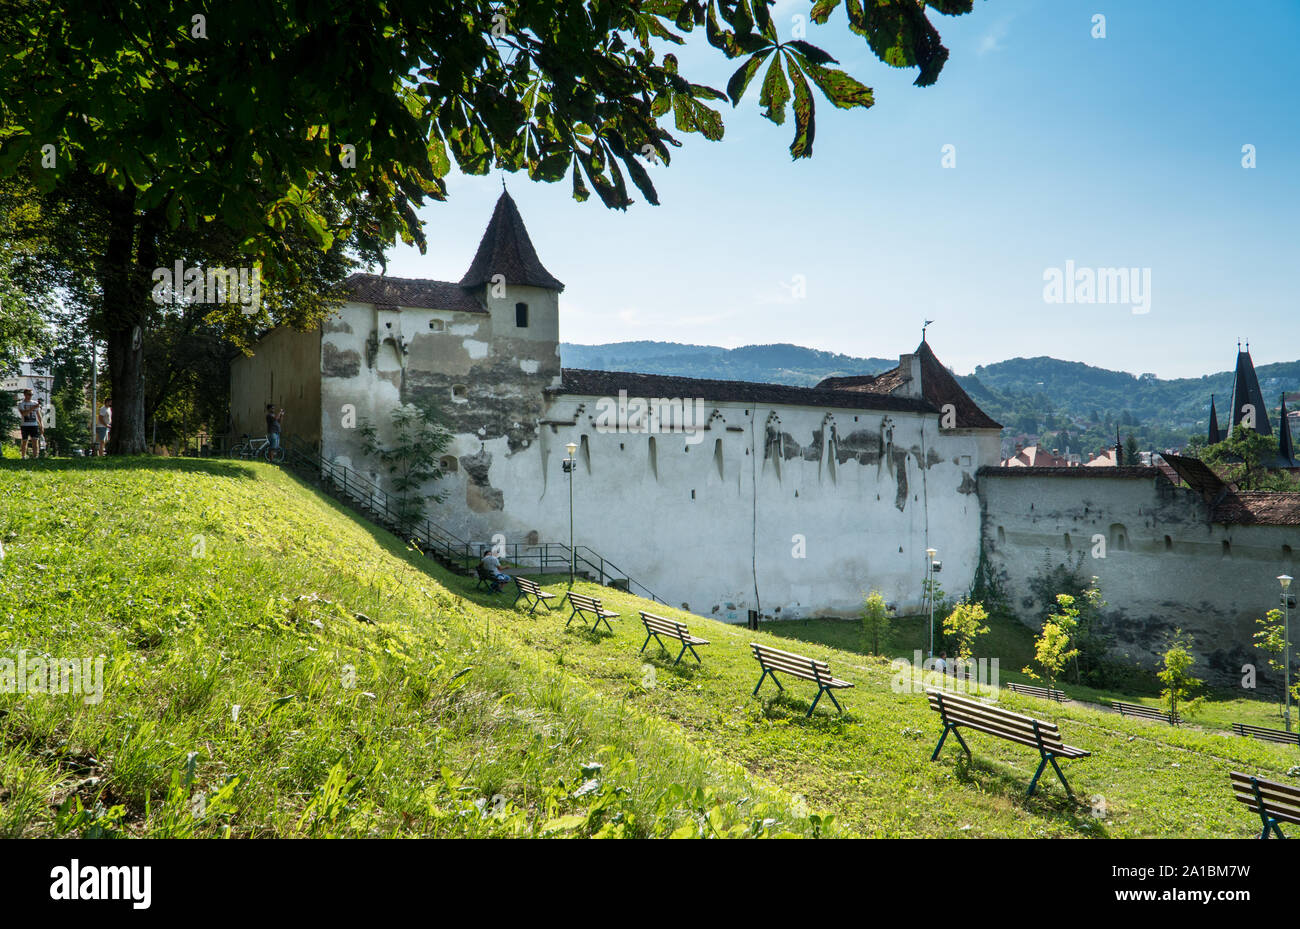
(528, 586)
(1044, 692)
(1281, 801)
(798, 665)
(984, 717)
(1268, 735)
(663, 624)
(1138, 709)
(583, 602)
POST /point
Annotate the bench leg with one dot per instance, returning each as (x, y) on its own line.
(516, 600)
(939, 747)
(766, 672)
(680, 654)
(601, 619)
(1037, 774)
(1042, 765)
(646, 642)
(571, 615)
(830, 693)
(948, 727)
(695, 653)
(1066, 784)
(820, 691)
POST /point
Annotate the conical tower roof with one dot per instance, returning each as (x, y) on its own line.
(1214, 436)
(507, 250)
(1285, 446)
(1245, 392)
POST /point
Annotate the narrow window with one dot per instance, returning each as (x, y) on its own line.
(1002, 536)
(1118, 537)
(654, 458)
(1169, 544)
(437, 325)
(1067, 542)
(585, 450)
(1227, 549)
(521, 315)
(717, 457)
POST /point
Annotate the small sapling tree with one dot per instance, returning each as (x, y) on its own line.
(875, 619)
(1176, 676)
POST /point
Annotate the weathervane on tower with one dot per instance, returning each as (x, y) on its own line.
(926, 324)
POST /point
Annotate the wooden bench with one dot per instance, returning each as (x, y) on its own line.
(583, 604)
(956, 710)
(532, 593)
(655, 626)
(1042, 693)
(772, 660)
(1274, 802)
(1144, 712)
(1267, 735)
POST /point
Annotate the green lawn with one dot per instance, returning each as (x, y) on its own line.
(380, 695)
(1013, 643)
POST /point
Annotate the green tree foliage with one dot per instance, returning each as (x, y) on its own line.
(1131, 451)
(1176, 676)
(964, 625)
(276, 126)
(875, 619)
(1052, 652)
(1243, 459)
(409, 456)
(1271, 640)
(23, 332)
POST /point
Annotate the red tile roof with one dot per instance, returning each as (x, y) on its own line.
(937, 386)
(413, 292)
(1258, 508)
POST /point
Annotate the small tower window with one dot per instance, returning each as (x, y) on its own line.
(448, 464)
(459, 393)
(521, 315)
(437, 325)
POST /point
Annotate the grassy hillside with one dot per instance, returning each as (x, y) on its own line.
(301, 673)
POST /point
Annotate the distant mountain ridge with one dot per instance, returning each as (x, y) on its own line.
(1027, 395)
(782, 363)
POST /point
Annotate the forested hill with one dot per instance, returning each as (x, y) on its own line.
(1038, 396)
(776, 364)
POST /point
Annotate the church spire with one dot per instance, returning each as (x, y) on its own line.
(1246, 396)
(507, 250)
(1286, 450)
(1214, 436)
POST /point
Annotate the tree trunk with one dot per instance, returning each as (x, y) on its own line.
(130, 256)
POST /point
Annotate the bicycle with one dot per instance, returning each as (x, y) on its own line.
(251, 448)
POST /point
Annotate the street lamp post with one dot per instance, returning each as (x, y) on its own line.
(568, 467)
(929, 591)
(1285, 581)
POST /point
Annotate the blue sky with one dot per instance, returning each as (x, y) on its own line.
(1123, 151)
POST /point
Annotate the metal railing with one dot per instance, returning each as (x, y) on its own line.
(366, 495)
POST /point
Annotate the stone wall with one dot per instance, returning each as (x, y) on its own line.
(1161, 562)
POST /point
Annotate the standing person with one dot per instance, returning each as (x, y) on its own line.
(273, 426)
(103, 423)
(33, 425)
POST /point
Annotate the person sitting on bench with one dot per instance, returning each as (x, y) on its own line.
(492, 565)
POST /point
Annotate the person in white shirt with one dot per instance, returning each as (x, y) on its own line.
(33, 426)
(103, 423)
(492, 565)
